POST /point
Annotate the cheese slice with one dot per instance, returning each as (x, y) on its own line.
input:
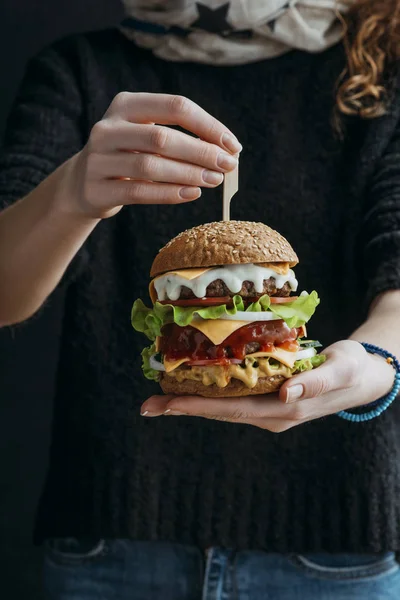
(283, 356)
(218, 330)
(184, 273)
(281, 268)
(171, 365)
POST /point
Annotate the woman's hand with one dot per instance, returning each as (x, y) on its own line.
(131, 158)
(350, 377)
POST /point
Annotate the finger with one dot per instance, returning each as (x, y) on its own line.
(168, 109)
(109, 135)
(339, 372)
(217, 409)
(155, 406)
(231, 410)
(237, 409)
(151, 167)
(111, 193)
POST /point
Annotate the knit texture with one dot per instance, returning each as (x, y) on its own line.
(328, 485)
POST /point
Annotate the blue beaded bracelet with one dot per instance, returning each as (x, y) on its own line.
(379, 406)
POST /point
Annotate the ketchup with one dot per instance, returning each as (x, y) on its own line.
(181, 342)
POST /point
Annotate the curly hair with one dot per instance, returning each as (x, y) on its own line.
(372, 43)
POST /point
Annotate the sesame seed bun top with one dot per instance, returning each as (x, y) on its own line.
(224, 243)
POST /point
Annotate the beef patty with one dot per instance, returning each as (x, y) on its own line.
(217, 289)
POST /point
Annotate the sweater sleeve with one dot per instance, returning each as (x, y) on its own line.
(43, 130)
(380, 236)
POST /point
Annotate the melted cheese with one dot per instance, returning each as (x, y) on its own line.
(281, 268)
(282, 356)
(171, 365)
(187, 274)
(221, 376)
(218, 330)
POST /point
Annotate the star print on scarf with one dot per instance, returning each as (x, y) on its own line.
(236, 32)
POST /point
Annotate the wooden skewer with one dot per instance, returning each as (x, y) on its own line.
(231, 186)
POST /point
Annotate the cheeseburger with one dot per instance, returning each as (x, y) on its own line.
(226, 320)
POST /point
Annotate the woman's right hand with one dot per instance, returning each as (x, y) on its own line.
(132, 158)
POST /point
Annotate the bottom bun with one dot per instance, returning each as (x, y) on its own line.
(266, 385)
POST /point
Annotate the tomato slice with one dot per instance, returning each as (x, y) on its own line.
(290, 346)
(282, 300)
(199, 301)
(274, 299)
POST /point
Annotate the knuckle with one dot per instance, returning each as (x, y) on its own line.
(159, 138)
(192, 175)
(180, 105)
(214, 129)
(136, 190)
(320, 387)
(207, 154)
(121, 100)
(239, 415)
(147, 166)
(99, 131)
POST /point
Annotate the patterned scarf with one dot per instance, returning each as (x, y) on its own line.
(232, 33)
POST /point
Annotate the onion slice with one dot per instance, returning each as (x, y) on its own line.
(156, 364)
(307, 353)
(243, 315)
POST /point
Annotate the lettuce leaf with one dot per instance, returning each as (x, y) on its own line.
(299, 312)
(150, 321)
(306, 364)
(149, 373)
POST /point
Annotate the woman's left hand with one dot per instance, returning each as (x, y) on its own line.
(349, 378)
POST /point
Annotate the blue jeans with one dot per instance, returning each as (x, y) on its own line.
(126, 570)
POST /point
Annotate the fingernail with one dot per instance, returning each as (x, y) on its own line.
(148, 414)
(231, 143)
(294, 393)
(173, 413)
(212, 177)
(190, 193)
(226, 161)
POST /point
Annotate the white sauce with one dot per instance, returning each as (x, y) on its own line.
(169, 286)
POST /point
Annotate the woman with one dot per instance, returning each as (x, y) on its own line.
(177, 507)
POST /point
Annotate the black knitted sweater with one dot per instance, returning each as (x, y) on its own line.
(329, 485)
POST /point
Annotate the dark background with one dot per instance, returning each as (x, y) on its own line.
(28, 353)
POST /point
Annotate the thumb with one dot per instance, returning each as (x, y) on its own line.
(340, 371)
